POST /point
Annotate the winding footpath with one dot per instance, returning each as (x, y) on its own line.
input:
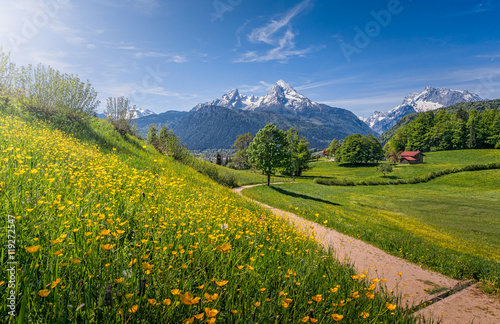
(404, 279)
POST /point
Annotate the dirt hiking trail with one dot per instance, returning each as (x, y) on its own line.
(404, 279)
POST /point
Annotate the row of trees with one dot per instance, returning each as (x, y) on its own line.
(439, 131)
(273, 150)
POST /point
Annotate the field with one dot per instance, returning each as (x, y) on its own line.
(433, 161)
(104, 229)
(450, 224)
(250, 177)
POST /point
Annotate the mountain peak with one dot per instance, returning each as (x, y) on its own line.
(430, 98)
(281, 83)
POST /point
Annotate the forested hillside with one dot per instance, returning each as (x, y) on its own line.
(467, 106)
(443, 130)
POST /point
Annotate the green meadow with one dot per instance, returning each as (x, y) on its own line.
(433, 161)
(104, 229)
(450, 224)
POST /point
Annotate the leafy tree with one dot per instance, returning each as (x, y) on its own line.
(219, 159)
(51, 92)
(471, 125)
(358, 149)
(298, 153)
(269, 150)
(384, 168)
(241, 145)
(120, 113)
(333, 147)
(446, 131)
(494, 138)
(152, 137)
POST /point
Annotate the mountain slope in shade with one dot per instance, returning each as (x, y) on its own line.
(429, 99)
(168, 118)
(214, 127)
(215, 124)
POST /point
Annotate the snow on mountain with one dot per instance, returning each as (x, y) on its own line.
(138, 113)
(281, 98)
(429, 99)
(232, 100)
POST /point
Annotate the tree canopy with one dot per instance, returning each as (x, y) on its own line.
(269, 150)
(241, 145)
(440, 131)
(298, 153)
(359, 149)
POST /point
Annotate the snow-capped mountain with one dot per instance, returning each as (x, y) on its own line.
(429, 99)
(138, 113)
(282, 98)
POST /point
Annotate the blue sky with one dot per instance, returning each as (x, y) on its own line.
(171, 55)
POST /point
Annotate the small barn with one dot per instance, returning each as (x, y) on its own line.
(411, 157)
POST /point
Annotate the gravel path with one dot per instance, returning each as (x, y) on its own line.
(404, 279)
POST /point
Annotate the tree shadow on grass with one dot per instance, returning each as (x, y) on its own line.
(296, 195)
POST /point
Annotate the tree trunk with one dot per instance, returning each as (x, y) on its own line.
(268, 179)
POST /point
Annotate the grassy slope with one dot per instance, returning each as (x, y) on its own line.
(115, 228)
(450, 224)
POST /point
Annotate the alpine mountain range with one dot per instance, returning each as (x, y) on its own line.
(215, 124)
(429, 99)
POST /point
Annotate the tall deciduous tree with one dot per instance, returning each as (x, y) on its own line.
(241, 145)
(269, 150)
(358, 149)
(333, 147)
(152, 137)
(298, 153)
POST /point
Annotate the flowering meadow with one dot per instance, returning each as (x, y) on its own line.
(106, 237)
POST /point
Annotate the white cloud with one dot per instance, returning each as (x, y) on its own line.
(177, 59)
(277, 33)
(266, 34)
(312, 85)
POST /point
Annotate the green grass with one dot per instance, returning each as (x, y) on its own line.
(433, 161)
(250, 177)
(107, 231)
(450, 224)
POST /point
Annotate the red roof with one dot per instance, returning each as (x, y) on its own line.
(409, 153)
(409, 158)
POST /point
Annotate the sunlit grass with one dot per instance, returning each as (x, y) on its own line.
(451, 224)
(433, 161)
(110, 231)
